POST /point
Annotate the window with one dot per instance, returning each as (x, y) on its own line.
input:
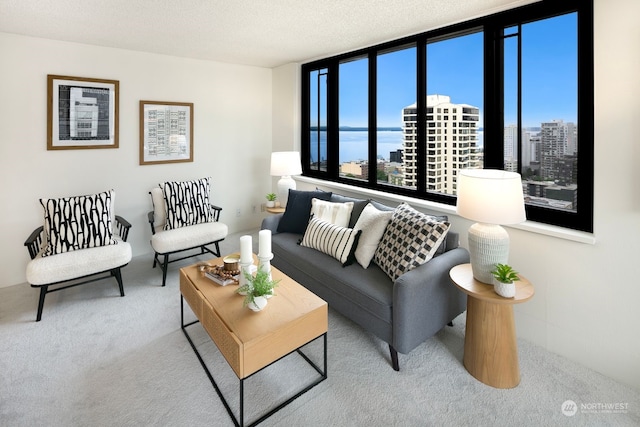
(511, 91)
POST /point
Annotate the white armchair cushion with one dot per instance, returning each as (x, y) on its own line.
(165, 241)
(70, 265)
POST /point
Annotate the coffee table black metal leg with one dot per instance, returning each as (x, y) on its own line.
(239, 422)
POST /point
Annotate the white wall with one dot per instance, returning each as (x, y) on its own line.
(232, 137)
(585, 306)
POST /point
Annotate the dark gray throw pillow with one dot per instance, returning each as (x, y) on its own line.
(298, 210)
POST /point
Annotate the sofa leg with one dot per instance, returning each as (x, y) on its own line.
(450, 324)
(394, 358)
(165, 265)
(43, 293)
(118, 275)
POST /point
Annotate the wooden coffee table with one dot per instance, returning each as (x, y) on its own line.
(251, 341)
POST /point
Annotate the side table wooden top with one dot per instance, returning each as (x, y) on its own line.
(275, 210)
(462, 277)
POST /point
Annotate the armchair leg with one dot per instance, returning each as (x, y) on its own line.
(394, 358)
(43, 293)
(165, 265)
(118, 275)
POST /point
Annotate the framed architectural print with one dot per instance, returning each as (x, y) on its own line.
(81, 113)
(166, 132)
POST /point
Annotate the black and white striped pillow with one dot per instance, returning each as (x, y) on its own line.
(78, 222)
(339, 242)
(186, 203)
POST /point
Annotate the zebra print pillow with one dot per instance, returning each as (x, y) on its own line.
(79, 222)
(186, 203)
(339, 242)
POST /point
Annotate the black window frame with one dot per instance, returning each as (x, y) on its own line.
(492, 26)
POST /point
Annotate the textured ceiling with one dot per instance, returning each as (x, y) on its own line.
(265, 33)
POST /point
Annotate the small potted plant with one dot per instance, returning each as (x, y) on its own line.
(504, 277)
(271, 200)
(257, 289)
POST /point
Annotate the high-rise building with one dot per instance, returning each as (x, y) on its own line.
(557, 139)
(452, 142)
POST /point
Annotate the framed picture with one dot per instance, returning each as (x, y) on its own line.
(81, 113)
(166, 132)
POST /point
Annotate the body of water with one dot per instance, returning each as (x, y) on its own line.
(354, 144)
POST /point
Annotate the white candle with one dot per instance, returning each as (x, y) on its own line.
(264, 243)
(246, 250)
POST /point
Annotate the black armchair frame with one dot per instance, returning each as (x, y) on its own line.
(34, 244)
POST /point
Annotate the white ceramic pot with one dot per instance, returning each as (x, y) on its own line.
(271, 203)
(258, 303)
(507, 290)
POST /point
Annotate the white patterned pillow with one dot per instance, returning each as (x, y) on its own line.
(186, 203)
(335, 213)
(78, 222)
(410, 240)
(372, 222)
(339, 242)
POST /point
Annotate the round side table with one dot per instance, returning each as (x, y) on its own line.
(490, 347)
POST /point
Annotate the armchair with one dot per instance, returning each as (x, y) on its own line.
(77, 245)
(169, 242)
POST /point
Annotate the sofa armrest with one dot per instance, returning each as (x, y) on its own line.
(271, 223)
(425, 300)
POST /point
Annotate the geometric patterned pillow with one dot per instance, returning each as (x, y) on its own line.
(79, 222)
(410, 240)
(339, 242)
(186, 203)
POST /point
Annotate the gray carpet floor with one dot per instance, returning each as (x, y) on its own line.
(97, 359)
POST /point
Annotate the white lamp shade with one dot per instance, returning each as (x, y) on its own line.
(490, 196)
(285, 163)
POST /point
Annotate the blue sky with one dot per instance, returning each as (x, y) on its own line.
(454, 68)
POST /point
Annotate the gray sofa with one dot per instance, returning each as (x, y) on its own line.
(403, 313)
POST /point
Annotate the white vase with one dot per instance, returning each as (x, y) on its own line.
(271, 204)
(258, 303)
(507, 290)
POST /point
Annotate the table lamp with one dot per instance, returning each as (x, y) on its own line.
(285, 164)
(492, 198)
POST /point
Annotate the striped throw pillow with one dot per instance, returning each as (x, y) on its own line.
(339, 242)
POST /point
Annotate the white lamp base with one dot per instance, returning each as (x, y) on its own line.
(488, 246)
(284, 185)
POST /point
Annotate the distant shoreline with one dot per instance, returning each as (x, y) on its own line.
(358, 129)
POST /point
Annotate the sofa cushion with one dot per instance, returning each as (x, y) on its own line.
(372, 222)
(296, 216)
(368, 289)
(335, 213)
(410, 239)
(79, 222)
(186, 202)
(339, 242)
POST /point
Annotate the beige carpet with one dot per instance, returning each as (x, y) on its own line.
(97, 359)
